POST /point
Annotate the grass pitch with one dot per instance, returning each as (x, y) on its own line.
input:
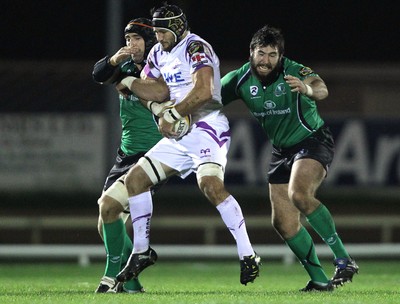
(195, 282)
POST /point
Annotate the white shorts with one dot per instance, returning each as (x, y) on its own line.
(207, 141)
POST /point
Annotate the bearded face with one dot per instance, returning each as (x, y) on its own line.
(265, 62)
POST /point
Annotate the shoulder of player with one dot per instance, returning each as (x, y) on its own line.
(156, 49)
(239, 78)
(194, 43)
(290, 64)
(244, 72)
(294, 68)
(154, 55)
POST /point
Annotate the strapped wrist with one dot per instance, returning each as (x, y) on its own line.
(171, 115)
(149, 104)
(127, 81)
(175, 114)
(309, 90)
(112, 62)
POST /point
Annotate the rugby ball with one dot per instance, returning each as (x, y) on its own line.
(182, 126)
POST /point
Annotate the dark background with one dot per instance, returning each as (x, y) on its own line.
(54, 34)
(317, 31)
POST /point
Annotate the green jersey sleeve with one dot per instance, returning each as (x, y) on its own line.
(228, 87)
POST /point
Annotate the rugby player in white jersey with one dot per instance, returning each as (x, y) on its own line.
(190, 68)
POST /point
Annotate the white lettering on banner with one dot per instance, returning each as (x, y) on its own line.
(67, 152)
(52, 151)
(367, 160)
(352, 156)
(351, 153)
(243, 157)
(388, 150)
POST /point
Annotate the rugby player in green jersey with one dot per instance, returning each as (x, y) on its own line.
(282, 94)
(139, 134)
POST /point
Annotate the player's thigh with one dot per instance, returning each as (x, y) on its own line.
(143, 175)
(213, 188)
(168, 158)
(306, 176)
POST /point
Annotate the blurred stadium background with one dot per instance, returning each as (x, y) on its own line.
(59, 130)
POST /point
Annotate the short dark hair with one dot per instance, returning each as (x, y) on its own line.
(268, 36)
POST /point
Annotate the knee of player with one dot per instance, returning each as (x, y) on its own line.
(295, 196)
(100, 226)
(300, 199)
(101, 202)
(210, 178)
(109, 209)
(278, 228)
(210, 185)
(286, 228)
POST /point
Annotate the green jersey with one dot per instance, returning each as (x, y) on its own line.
(287, 117)
(139, 128)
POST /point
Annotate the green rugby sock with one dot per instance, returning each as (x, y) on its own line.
(114, 244)
(128, 247)
(303, 247)
(322, 222)
(133, 285)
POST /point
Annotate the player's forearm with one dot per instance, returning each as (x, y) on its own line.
(104, 72)
(151, 89)
(194, 100)
(147, 89)
(201, 93)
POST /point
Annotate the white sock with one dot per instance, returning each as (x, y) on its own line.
(141, 209)
(232, 216)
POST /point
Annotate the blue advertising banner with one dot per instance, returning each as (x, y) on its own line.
(367, 153)
(67, 152)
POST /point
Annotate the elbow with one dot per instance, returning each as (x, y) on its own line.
(202, 94)
(325, 94)
(206, 94)
(163, 94)
(204, 98)
(320, 93)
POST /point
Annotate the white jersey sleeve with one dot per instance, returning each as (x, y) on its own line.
(150, 69)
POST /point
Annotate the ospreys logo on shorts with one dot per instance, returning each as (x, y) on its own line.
(205, 152)
(306, 71)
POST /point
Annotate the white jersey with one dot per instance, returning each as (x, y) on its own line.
(209, 137)
(176, 67)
